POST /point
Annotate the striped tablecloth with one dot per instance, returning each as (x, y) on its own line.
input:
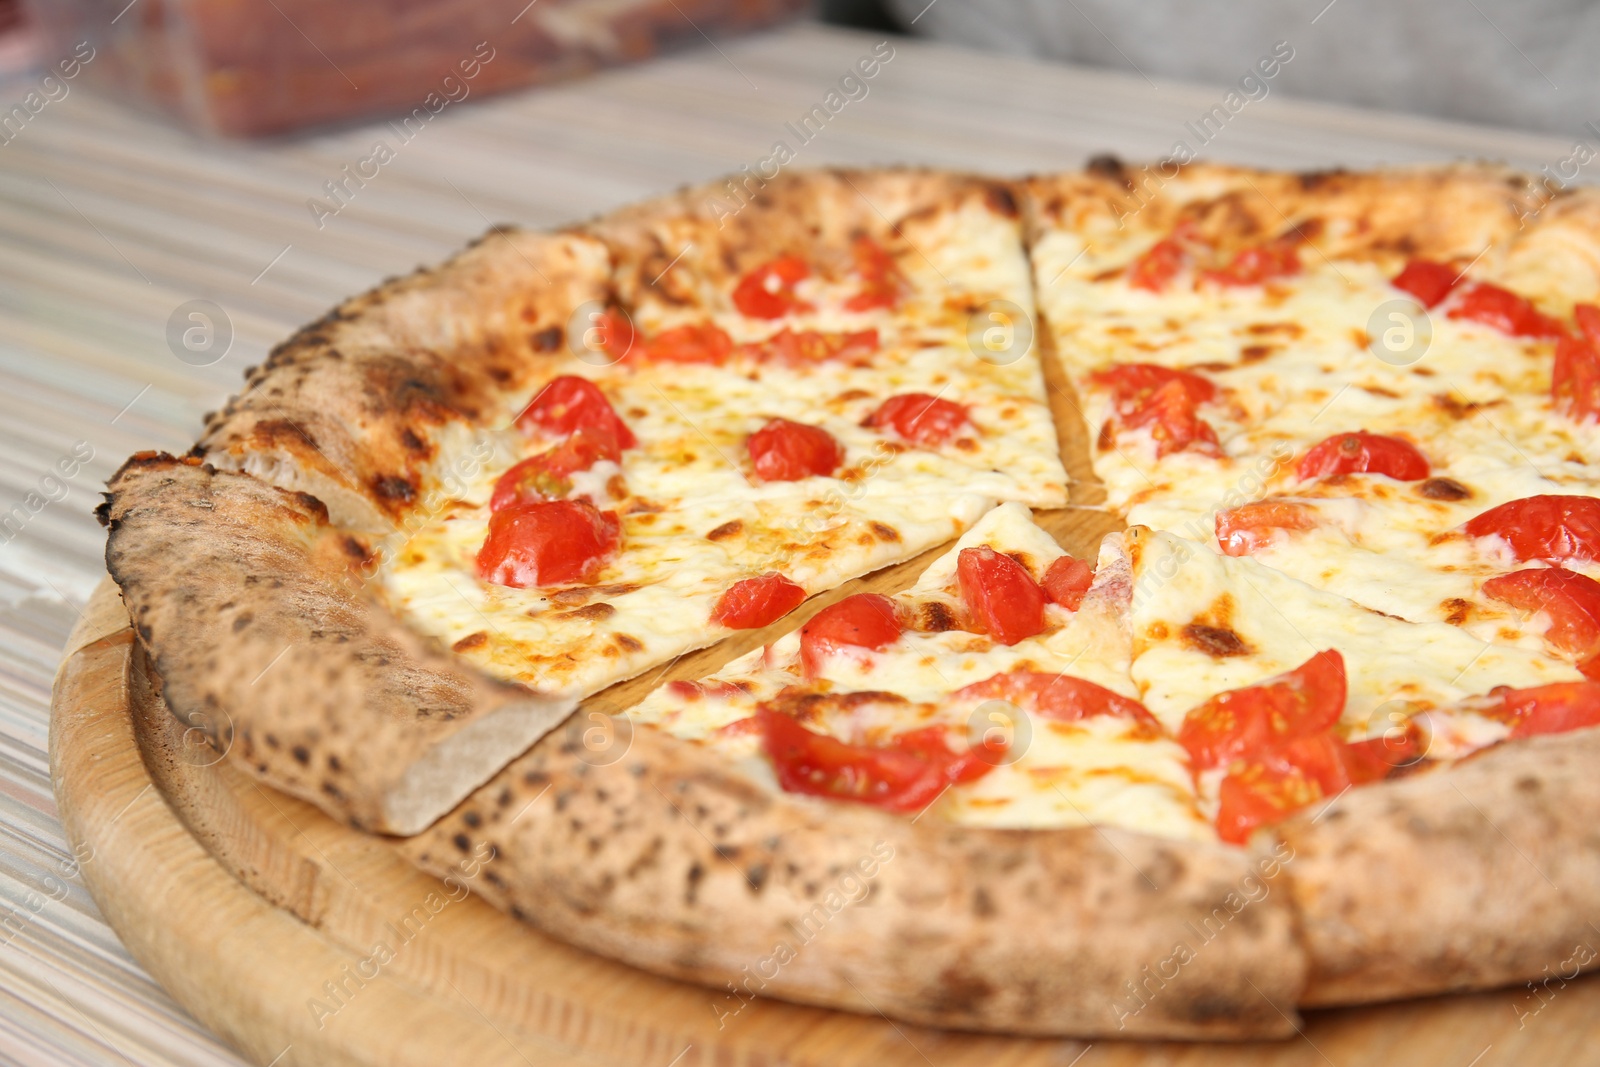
(112, 220)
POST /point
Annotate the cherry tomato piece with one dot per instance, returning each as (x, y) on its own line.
(1056, 696)
(546, 476)
(1260, 794)
(756, 602)
(811, 346)
(768, 291)
(1379, 757)
(1000, 595)
(1575, 376)
(1363, 453)
(610, 332)
(882, 284)
(1133, 384)
(570, 403)
(865, 621)
(784, 451)
(1066, 582)
(551, 542)
(1243, 530)
(1426, 280)
(1548, 709)
(695, 343)
(906, 775)
(1155, 269)
(1262, 263)
(1504, 311)
(1571, 600)
(1166, 400)
(1546, 527)
(920, 418)
(1246, 722)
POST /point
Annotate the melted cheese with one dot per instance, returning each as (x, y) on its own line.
(1104, 770)
(1204, 623)
(695, 520)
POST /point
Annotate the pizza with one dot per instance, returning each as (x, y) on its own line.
(1311, 724)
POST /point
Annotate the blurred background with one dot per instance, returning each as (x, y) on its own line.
(184, 182)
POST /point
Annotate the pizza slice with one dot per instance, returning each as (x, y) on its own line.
(995, 691)
(564, 500)
(1237, 659)
(1338, 385)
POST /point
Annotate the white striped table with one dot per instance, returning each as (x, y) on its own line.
(110, 219)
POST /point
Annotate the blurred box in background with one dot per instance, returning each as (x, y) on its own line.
(250, 67)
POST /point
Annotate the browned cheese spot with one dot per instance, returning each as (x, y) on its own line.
(591, 612)
(471, 641)
(726, 530)
(1444, 489)
(1218, 642)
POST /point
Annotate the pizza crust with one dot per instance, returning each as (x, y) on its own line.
(673, 860)
(350, 408)
(1483, 874)
(247, 601)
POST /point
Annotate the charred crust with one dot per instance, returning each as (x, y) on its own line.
(1000, 200)
(1111, 168)
(393, 489)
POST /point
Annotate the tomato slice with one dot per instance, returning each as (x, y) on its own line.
(882, 284)
(767, 292)
(865, 621)
(611, 333)
(1279, 258)
(1000, 595)
(756, 602)
(1505, 311)
(1377, 758)
(1547, 527)
(908, 774)
(1363, 453)
(1132, 385)
(1588, 318)
(1066, 582)
(920, 418)
(1571, 600)
(812, 346)
(1426, 280)
(1575, 377)
(784, 451)
(550, 542)
(1241, 531)
(1056, 696)
(1155, 269)
(700, 342)
(1260, 794)
(1548, 709)
(1246, 722)
(569, 403)
(1166, 400)
(546, 476)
